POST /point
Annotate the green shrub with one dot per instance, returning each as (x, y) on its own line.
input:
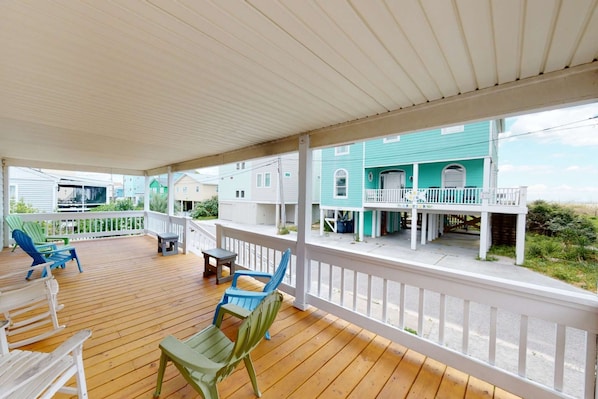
(21, 207)
(207, 208)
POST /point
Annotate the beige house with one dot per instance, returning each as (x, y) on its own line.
(192, 188)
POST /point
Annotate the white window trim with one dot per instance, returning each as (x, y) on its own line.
(452, 129)
(391, 139)
(342, 150)
(335, 187)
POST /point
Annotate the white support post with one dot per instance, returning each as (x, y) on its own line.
(374, 223)
(361, 224)
(520, 240)
(322, 221)
(304, 222)
(170, 193)
(484, 232)
(414, 228)
(5, 198)
(146, 203)
(424, 228)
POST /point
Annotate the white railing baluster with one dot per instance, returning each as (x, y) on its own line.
(492, 337)
(402, 306)
(523, 346)
(559, 357)
(420, 313)
(441, 319)
(590, 369)
(369, 308)
(355, 293)
(385, 300)
(466, 313)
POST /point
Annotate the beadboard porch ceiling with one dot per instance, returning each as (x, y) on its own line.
(133, 86)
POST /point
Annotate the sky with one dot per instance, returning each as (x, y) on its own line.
(554, 153)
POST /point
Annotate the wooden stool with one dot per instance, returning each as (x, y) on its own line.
(168, 244)
(222, 257)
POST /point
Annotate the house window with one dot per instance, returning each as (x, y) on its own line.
(185, 189)
(263, 179)
(391, 139)
(267, 179)
(340, 183)
(13, 193)
(342, 150)
(240, 194)
(196, 189)
(452, 129)
(240, 165)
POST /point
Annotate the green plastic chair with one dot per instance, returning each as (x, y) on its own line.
(38, 235)
(14, 222)
(209, 356)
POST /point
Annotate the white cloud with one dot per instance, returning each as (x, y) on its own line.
(571, 126)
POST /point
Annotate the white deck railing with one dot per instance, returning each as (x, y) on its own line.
(530, 340)
(448, 196)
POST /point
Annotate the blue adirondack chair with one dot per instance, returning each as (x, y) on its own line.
(240, 303)
(58, 256)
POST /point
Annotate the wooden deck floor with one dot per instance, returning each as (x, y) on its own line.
(131, 297)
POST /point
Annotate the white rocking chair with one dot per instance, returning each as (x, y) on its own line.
(17, 301)
(26, 374)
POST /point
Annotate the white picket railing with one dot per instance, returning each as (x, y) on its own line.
(531, 340)
(448, 196)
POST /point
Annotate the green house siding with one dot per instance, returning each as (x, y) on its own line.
(431, 145)
(430, 175)
(376, 172)
(353, 164)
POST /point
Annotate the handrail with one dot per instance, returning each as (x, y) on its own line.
(531, 340)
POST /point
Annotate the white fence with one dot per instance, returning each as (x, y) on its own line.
(530, 340)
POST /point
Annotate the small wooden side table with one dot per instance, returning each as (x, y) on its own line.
(168, 243)
(222, 257)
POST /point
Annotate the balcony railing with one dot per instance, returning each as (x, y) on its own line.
(531, 340)
(447, 196)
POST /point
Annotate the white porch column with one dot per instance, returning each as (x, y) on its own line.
(520, 239)
(376, 216)
(304, 222)
(361, 224)
(413, 228)
(5, 208)
(424, 228)
(321, 220)
(146, 202)
(484, 232)
(170, 192)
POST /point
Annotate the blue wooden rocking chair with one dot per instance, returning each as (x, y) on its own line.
(58, 256)
(240, 303)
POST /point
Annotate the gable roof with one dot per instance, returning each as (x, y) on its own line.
(134, 87)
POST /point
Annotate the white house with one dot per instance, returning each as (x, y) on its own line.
(265, 190)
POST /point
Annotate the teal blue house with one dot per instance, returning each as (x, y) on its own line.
(443, 179)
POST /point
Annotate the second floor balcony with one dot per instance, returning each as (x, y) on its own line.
(448, 198)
